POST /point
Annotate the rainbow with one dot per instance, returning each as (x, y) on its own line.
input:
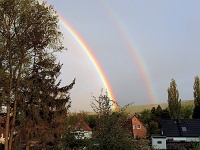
(135, 53)
(92, 58)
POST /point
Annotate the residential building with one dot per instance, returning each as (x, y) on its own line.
(182, 131)
(139, 130)
(159, 142)
(81, 130)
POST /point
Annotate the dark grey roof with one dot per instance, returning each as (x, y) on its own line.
(181, 128)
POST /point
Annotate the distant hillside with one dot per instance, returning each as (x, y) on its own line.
(138, 108)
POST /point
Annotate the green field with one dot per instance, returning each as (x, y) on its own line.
(138, 108)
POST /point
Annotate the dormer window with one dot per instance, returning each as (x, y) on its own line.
(184, 129)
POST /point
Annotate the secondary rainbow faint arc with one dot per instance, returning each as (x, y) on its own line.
(137, 58)
(91, 57)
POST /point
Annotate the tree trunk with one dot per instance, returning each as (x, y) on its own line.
(7, 126)
(12, 125)
(10, 89)
(14, 109)
(28, 145)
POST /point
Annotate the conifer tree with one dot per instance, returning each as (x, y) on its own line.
(43, 105)
(174, 103)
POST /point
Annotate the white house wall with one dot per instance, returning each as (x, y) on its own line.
(159, 142)
(186, 139)
(82, 134)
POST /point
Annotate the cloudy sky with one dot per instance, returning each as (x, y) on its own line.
(140, 46)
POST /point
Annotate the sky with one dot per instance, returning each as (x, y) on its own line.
(139, 45)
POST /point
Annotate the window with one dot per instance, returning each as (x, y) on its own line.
(138, 126)
(184, 129)
(134, 120)
(133, 127)
(159, 142)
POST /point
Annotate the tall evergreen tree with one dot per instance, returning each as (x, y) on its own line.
(159, 111)
(174, 103)
(28, 31)
(153, 110)
(196, 110)
(43, 105)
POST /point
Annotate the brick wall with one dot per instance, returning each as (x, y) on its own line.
(139, 130)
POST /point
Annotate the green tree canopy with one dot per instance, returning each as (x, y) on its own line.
(196, 92)
(145, 116)
(196, 110)
(111, 132)
(174, 103)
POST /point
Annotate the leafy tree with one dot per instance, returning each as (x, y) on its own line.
(110, 133)
(145, 116)
(186, 112)
(196, 114)
(141, 144)
(165, 114)
(156, 115)
(196, 110)
(196, 92)
(158, 111)
(153, 110)
(28, 37)
(153, 127)
(151, 119)
(174, 103)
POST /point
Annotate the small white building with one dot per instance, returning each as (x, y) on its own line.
(159, 142)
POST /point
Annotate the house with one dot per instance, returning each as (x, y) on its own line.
(139, 130)
(177, 131)
(81, 130)
(159, 142)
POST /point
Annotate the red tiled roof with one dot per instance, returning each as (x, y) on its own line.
(81, 124)
(139, 120)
